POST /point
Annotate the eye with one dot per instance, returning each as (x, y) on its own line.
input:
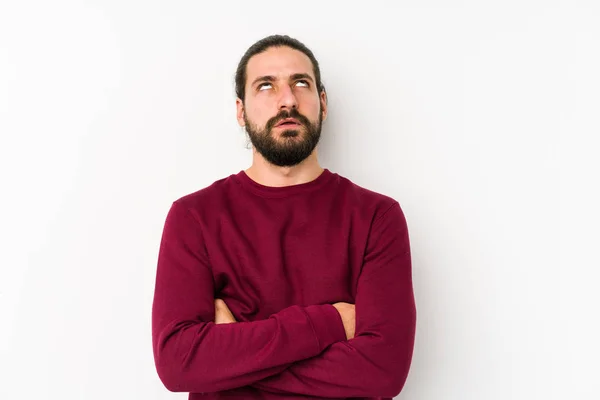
(303, 83)
(263, 85)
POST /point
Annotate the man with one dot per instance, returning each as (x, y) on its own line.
(285, 280)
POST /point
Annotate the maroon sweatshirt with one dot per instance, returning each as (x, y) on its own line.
(280, 257)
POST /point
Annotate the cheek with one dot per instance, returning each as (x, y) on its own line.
(312, 108)
(308, 100)
(257, 115)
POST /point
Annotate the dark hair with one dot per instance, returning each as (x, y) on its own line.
(263, 45)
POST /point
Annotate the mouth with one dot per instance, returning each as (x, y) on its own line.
(288, 122)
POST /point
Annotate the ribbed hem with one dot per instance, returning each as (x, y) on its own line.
(327, 323)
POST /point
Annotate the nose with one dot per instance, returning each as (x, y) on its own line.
(287, 98)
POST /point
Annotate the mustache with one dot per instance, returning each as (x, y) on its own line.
(287, 114)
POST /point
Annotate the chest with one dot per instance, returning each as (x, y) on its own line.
(264, 264)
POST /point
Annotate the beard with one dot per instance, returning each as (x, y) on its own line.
(294, 145)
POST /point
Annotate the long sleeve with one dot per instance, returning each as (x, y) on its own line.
(376, 361)
(192, 353)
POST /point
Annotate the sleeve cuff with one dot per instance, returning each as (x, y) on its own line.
(327, 324)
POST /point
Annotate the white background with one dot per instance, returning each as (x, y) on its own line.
(480, 117)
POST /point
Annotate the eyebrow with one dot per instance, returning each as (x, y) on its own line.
(271, 78)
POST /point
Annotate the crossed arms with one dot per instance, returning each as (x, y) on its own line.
(299, 350)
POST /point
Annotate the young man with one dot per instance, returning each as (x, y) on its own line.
(285, 280)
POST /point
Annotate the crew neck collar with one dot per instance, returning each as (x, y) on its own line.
(283, 191)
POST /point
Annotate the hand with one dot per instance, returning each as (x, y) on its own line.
(222, 313)
(348, 315)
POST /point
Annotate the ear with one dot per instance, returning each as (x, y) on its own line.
(323, 99)
(239, 105)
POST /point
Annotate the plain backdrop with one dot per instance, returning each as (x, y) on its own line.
(480, 117)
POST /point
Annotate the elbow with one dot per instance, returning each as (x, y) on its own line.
(399, 363)
(171, 381)
(168, 368)
(392, 385)
(388, 377)
(171, 377)
(175, 368)
(176, 378)
(390, 381)
(397, 367)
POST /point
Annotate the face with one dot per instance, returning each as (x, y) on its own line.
(283, 110)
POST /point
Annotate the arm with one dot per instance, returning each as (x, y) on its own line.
(376, 361)
(191, 352)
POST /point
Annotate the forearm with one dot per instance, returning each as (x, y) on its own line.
(193, 356)
(367, 366)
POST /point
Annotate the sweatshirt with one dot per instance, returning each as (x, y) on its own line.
(280, 257)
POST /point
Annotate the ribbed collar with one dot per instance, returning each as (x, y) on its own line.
(282, 191)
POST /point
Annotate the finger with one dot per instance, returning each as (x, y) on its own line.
(220, 304)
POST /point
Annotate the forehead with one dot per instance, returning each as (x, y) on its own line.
(280, 62)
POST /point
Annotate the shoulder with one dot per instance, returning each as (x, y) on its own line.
(368, 202)
(207, 197)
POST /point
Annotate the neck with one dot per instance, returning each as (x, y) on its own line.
(265, 173)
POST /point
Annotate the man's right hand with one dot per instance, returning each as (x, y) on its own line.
(348, 315)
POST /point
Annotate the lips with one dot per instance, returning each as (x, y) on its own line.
(288, 121)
